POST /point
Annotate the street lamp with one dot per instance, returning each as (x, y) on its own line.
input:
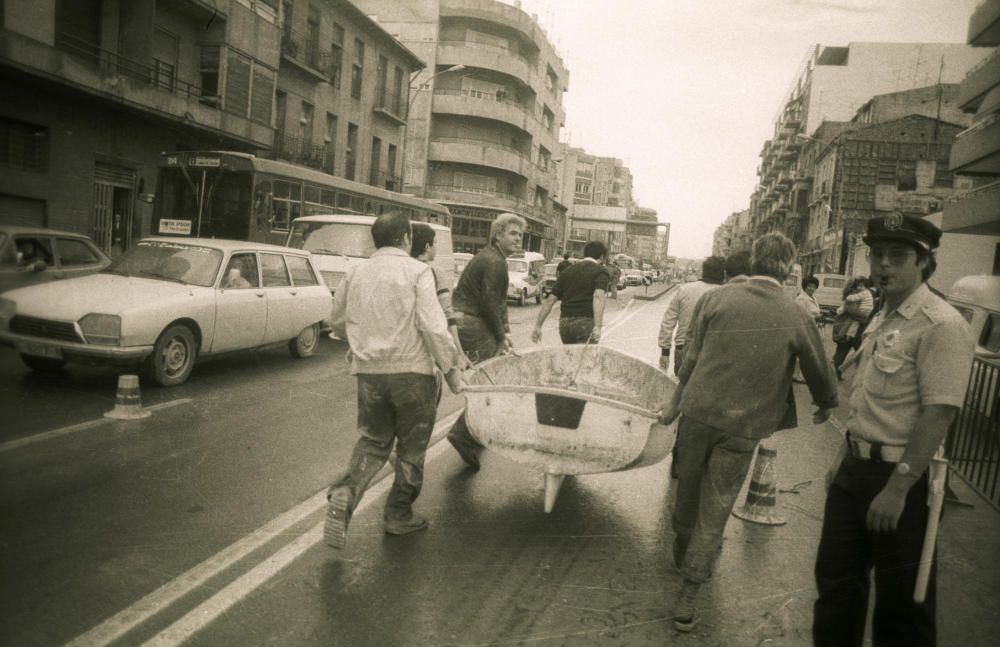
(412, 94)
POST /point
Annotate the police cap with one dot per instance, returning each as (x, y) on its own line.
(908, 229)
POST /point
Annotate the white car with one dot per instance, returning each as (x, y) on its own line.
(524, 277)
(168, 302)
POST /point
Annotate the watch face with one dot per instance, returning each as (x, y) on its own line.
(903, 468)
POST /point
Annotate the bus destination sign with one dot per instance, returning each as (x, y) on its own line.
(168, 226)
(205, 162)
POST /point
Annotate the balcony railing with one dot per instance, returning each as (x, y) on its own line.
(973, 444)
(500, 49)
(305, 51)
(386, 180)
(480, 142)
(160, 74)
(293, 149)
(393, 103)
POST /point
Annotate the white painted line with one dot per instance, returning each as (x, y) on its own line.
(139, 612)
(63, 431)
(207, 612)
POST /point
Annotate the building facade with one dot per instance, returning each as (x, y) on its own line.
(484, 116)
(94, 92)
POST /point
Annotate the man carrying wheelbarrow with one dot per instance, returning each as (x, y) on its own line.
(734, 384)
(582, 288)
(480, 304)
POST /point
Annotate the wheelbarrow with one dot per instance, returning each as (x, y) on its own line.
(574, 409)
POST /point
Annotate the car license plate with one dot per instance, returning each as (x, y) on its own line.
(39, 350)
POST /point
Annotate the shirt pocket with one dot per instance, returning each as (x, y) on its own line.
(887, 374)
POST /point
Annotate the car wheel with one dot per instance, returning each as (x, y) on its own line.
(42, 364)
(538, 296)
(173, 356)
(522, 297)
(305, 344)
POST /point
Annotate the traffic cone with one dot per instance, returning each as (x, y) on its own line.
(762, 495)
(128, 405)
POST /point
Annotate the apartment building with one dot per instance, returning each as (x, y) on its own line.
(342, 93)
(94, 91)
(485, 115)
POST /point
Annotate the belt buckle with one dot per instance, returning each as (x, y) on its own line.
(876, 452)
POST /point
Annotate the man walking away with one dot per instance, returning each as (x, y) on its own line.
(481, 309)
(583, 289)
(563, 264)
(681, 308)
(914, 365)
(733, 393)
(387, 310)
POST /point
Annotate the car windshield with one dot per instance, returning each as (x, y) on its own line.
(336, 238)
(169, 261)
(517, 266)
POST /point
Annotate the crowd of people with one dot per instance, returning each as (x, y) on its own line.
(736, 338)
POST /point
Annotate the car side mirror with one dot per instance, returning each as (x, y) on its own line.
(38, 266)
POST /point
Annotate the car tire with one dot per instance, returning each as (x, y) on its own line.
(305, 344)
(173, 356)
(43, 364)
(522, 297)
(538, 297)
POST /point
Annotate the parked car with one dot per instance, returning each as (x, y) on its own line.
(632, 277)
(524, 271)
(830, 293)
(32, 255)
(166, 303)
(461, 260)
(340, 241)
(549, 276)
(978, 299)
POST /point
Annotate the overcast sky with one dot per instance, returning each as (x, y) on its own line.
(685, 91)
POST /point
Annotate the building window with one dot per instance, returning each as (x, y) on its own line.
(382, 78)
(357, 70)
(336, 55)
(164, 58)
(330, 141)
(352, 147)
(306, 127)
(374, 173)
(24, 146)
(392, 183)
(209, 62)
(280, 107)
(312, 38)
(397, 92)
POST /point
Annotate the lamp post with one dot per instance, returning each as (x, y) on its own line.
(412, 94)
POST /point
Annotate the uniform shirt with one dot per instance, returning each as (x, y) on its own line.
(575, 287)
(917, 355)
(387, 309)
(482, 290)
(680, 311)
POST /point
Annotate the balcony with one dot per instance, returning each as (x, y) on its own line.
(974, 212)
(303, 51)
(480, 153)
(485, 198)
(976, 150)
(495, 59)
(984, 24)
(978, 81)
(154, 88)
(293, 149)
(495, 12)
(386, 180)
(392, 105)
(481, 104)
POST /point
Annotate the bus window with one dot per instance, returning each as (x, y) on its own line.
(224, 213)
(329, 200)
(285, 205)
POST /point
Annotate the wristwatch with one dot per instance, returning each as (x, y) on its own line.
(902, 469)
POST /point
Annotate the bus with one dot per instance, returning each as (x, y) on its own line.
(223, 194)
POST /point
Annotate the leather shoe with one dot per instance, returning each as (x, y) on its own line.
(338, 516)
(401, 527)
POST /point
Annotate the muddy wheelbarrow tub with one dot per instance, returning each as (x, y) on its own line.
(570, 410)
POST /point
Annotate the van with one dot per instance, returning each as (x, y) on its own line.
(977, 298)
(830, 293)
(793, 282)
(340, 241)
(550, 272)
(524, 272)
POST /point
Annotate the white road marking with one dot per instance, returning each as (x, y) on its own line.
(90, 424)
(138, 613)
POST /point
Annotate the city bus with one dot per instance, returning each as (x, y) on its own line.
(220, 194)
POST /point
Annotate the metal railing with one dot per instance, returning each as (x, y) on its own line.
(293, 149)
(973, 445)
(481, 142)
(391, 101)
(159, 74)
(304, 50)
(506, 51)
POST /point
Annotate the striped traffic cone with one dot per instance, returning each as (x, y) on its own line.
(128, 405)
(762, 495)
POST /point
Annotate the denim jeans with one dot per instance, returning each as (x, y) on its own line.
(575, 330)
(392, 409)
(711, 465)
(479, 344)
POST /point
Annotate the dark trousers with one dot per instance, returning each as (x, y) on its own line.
(848, 552)
(575, 330)
(479, 345)
(392, 409)
(678, 357)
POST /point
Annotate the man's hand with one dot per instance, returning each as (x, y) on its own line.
(464, 363)
(455, 381)
(669, 413)
(507, 345)
(536, 334)
(664, 362)
(884, 512)
(820, 416)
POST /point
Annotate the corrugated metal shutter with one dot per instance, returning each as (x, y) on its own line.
(237, 83)
(115, 175)
(263, 91)
(23, 212)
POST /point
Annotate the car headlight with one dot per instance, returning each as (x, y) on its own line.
(102, 329)
(7, 309)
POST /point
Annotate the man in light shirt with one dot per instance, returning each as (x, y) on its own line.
(677, 319)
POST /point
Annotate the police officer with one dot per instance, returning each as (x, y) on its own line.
(913, 368)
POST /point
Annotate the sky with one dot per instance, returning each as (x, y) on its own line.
(685, 92)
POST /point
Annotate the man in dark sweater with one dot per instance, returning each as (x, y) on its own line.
(582, 288)
(733, 393)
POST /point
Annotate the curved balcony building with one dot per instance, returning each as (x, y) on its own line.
(484, 115)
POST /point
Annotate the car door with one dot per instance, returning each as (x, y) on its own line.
(282, 317)
(312, 301)
(77, 257)
(240, 309)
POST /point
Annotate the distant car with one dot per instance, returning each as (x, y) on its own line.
(549, 275)
(977, 298)
(830, 293)
(32, 255)
(633, 277)
(166, 303)
(524, 277)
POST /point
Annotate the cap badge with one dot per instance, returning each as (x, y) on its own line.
(892, 222)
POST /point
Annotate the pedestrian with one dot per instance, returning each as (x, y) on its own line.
(677, 318)
(387, 310)
(583, 289)
(807, 301)
(853, 315)
(615, 273)
(480, 305)
(733, 390)
(563, 264)
(737, 267)
(913, 367)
